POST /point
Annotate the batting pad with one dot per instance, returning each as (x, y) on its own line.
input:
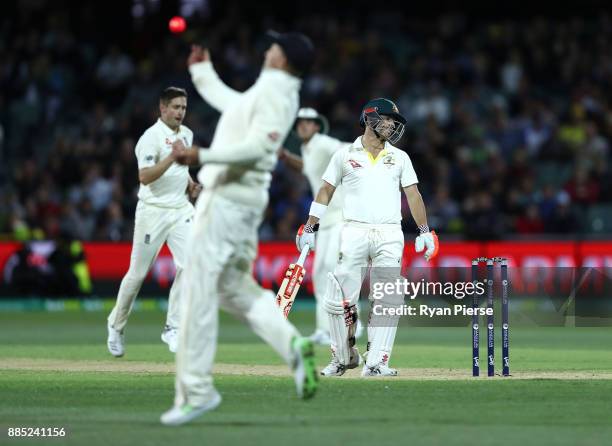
(381, 345)
(342, 320)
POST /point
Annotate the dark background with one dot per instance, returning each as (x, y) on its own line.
(509, 106)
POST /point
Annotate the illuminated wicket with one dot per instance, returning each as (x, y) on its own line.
(490, 262)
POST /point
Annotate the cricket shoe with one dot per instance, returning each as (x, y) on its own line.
(184, 414)
(114, 342)
(320, 337)
(170, 337)
(334, 368)
(304, 369)
(380, 369)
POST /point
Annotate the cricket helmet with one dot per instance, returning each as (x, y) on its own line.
(372, 113)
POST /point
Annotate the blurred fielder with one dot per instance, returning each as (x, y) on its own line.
(223, 243)
(163, 214)
(372, 173)
(317, 150)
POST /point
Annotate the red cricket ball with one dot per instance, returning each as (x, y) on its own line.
(177, 25)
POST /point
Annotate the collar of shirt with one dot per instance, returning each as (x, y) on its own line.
(357, 146)
(167, 130)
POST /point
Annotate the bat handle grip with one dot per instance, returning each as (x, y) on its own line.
(303, 255)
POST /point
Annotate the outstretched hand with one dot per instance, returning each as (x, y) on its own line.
(198, 54)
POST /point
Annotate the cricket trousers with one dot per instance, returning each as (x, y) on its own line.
(326, 257)
(380, 246)
(219, 274)
(153, 227)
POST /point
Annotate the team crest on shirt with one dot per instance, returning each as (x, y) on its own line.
(389, 161)
(168, 142)
(354, 164)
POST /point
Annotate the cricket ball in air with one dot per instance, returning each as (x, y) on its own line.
(177, 25)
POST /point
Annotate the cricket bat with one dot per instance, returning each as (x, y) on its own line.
(291, 283)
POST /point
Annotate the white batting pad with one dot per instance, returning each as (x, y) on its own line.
(381, 345)
(338, 329)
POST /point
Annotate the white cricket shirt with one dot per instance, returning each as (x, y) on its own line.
(252, 127)
(372, 187)
(154, 145)
(316, 154)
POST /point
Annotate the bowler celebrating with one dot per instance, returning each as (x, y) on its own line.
(223, 243)
(163, 214)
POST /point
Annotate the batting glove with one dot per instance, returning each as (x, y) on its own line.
(427, 240)
(306, 236)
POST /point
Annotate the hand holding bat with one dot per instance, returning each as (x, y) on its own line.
(292, 282)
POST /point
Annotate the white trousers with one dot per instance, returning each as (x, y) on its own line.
(378, 246)
(153, 227)
(326, 257)
(362, 245)
(219, 273)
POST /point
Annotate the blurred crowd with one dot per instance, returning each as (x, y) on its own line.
(509, 121)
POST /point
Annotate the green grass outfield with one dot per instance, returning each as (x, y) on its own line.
(55, 371)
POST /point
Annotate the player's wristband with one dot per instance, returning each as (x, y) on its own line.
(317, 210)
(311, 228)
(424, 228)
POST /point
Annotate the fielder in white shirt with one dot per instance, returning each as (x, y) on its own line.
(163, 215)
(317, 150)
(372, 173)
(223, 243)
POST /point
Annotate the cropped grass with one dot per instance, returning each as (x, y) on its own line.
(122, 408)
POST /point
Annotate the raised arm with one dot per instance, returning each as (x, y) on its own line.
(207, 82)
(266, 133)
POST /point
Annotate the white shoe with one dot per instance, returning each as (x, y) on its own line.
(170, 337)
(183, 414)
(114, 342)
(334, 368)
(380, 369)
(320, 337)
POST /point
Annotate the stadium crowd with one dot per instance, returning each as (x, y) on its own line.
(510, 122)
